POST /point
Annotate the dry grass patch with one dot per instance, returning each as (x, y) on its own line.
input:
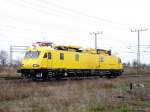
(95, 95)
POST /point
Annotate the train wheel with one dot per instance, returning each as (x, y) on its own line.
(33, 77)
(114, 74)
(44, 77)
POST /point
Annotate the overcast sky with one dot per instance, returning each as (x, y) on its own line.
(68, 22)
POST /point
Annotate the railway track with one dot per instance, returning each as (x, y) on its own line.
(77, 78)
(11, 78)
(62, 81)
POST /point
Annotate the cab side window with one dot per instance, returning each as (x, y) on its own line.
(49, 56)
(45, 55)
(61, 56)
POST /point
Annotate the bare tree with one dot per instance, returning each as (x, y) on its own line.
(134, 64)
(127, 65)
(3, 57)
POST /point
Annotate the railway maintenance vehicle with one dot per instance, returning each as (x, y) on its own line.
(45, 60)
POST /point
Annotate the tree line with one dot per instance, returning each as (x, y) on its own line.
(4, 60)
(3, 57)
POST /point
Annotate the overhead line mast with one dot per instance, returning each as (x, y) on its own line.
(138, 48)
(96, 33)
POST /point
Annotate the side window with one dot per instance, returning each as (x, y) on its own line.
(61, 56)
(77, 57)
(45, 55)
(49, 56)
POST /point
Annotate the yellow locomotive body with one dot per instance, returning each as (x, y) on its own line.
(61, 61)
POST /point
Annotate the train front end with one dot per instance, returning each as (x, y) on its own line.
(34, 64)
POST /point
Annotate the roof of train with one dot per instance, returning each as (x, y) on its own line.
(42, 46)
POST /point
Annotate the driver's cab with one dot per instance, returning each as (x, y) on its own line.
(46, 60)
(37, 58)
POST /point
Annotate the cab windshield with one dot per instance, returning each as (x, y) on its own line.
(32, 54)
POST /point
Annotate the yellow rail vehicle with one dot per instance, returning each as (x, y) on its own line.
(47, 60)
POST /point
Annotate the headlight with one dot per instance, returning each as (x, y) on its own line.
(22, 65)
(36, 65)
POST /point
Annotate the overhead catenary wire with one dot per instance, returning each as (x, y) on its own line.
(80, 13)
(38, 24)
(40, 10)
(26, 29)
(2, 27)
(45, 10)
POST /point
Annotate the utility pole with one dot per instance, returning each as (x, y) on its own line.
(96, 33)
(138, 48)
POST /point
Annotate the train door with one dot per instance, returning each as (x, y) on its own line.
(44, 60)
(49, 60)
(101, 62)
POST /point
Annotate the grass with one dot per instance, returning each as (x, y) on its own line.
(8, 71)
(87, 95)
(134, 71)
(95, 95)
